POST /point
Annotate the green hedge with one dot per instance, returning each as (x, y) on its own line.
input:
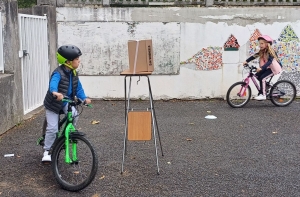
(26, 3)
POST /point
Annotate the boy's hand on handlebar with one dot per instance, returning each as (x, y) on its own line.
(58, 96)
(87, 101)
(245, 63)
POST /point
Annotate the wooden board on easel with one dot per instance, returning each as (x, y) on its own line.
(139, 125)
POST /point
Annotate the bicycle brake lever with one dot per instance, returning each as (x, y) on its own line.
(88, 105)
(64, 97)
(85, 104)
(79, 101)
(246, 65)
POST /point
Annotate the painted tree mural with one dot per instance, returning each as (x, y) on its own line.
(288, 49)
(231, 44)
(253, 44)
(207, 59)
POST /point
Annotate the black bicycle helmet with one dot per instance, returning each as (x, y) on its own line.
(67, 52)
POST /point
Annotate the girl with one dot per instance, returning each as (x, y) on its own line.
(269, 64)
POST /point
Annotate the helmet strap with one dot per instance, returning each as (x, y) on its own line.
(71, 67)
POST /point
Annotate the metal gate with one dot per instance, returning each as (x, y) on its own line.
(34, 60)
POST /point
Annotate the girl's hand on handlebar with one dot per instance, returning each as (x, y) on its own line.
(258, 69)
(245, 63)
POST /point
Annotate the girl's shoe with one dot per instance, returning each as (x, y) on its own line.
(260, 97)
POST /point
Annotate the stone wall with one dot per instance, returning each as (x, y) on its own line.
(197, 51)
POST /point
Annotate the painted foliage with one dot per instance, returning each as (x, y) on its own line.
(231, 44)
(288, 49)
(253, 44)
(288, 35)
(207, 59)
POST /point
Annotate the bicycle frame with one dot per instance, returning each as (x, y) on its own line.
(251, 76)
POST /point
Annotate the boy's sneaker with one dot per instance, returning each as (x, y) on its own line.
(260, 97)
(46, 157)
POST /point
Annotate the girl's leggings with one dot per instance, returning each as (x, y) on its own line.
(262, 77)
(52, 125)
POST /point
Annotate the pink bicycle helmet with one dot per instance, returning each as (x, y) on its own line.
(266, 38)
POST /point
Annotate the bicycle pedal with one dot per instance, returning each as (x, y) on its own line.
(40, 141)
(46, 162)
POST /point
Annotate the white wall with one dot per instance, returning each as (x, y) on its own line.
(102, 35)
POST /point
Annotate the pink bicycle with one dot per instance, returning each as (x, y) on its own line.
(282, 93)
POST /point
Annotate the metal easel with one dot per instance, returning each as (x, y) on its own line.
(153, 115)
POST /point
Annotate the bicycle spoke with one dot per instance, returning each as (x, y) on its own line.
(283, 93)
(238, 95)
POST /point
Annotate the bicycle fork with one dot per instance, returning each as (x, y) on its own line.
(74, 158)
(243, 89)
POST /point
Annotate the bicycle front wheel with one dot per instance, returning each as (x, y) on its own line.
(238, 94)
(80, 172)
(283, 93)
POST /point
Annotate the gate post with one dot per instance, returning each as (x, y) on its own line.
(11, 97)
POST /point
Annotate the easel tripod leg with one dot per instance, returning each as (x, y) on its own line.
(127, 106)
(153, 123)
(152, 107)
(154, 134)
(162, 153)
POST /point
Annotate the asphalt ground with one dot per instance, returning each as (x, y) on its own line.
(252, 151)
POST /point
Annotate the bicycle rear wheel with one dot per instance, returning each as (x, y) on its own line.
(283, 93)
(78, 174)
(238, 95)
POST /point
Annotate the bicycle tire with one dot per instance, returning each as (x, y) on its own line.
(246, 98)
(74, 171)
(279, 92)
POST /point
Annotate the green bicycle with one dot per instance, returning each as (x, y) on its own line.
(74, 160)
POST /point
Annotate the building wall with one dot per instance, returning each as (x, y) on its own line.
(197, 51)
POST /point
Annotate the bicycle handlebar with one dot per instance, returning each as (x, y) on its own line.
(73, 102)
(252, 68)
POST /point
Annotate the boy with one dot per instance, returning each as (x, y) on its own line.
(64, 82)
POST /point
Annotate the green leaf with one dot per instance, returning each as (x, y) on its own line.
(26, 3)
